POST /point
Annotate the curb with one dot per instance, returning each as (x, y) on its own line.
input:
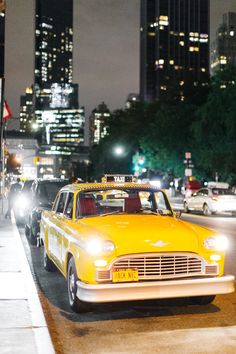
(43, 340)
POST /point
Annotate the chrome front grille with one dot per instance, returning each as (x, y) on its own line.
(161, 266)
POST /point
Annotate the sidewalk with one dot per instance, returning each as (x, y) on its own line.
(23, 329)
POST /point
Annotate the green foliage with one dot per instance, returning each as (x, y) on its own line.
(204, 123)
(215, 128)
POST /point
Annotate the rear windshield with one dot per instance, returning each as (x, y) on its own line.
(48, 191)
(221, 191)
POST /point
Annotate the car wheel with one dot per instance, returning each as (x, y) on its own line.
(32, 237)
(206, 211)
(202, 300)
(48, 265)
(234, 213)
(186, 209)
(27, 230)
(75, 304)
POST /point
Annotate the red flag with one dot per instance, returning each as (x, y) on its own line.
(6, 111)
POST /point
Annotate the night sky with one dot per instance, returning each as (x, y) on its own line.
(106, 49)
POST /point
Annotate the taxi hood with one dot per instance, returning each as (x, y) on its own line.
(146, 233)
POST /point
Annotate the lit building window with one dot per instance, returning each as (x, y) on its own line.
(171, 62)
(223, 60)
(181, 43)
(193, 49)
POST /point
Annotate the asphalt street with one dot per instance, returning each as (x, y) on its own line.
(163, 326)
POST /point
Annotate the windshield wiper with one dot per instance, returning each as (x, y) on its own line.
(112, 212)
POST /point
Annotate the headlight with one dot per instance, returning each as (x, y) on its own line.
(219, 243)
(21, 202)
(96, 247)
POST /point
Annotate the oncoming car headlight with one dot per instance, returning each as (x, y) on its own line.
(219, 243)
(96, 247)
(21, 202)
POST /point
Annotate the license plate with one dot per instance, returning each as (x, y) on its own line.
(123, 275)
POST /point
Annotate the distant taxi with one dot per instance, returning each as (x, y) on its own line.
(120, 241)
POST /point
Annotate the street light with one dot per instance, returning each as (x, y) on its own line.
(119, 150)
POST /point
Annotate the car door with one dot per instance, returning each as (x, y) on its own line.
(67, 223)
(195, 200)
(201, 199)
(57, 229)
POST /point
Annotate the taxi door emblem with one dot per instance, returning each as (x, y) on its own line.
(160, 243)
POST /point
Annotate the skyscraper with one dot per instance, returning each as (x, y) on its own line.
(174, 37)
(97, 123)
(223, 49)
(53, 41)
(51, 106)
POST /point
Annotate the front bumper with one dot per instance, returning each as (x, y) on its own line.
(155, 289)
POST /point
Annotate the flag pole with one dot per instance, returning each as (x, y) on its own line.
(2, 158)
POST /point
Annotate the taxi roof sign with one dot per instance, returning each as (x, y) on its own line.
(118, 178)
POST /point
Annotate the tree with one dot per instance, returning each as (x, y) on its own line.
(215, 129)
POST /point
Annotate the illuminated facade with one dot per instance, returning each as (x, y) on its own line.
(26, 111)
(98, 127)
(174, 37)
(2, 36)
(223, 49)
(53, 41)
(52, 109)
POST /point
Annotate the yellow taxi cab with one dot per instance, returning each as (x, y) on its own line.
(118, 240)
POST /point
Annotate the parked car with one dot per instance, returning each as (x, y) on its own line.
(120, 241)
(43, 192)
(213, 199)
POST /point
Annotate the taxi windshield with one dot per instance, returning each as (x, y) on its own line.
(103, 202)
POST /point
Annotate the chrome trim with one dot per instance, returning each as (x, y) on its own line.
(155, 289)
(162, 265)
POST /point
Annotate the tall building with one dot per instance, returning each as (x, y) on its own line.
(51, 107)
(2, 36)
(97, 123)
(223, 48)
(53, 41)
(174, 45)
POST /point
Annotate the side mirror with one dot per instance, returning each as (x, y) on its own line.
(178, 213)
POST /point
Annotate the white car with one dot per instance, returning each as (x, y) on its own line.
(215, 198)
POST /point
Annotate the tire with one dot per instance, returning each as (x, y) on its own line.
(27, 230)
(75, 304)
(32, 237)
(205, 209)
(186, 209)
(48, 265)
(202, 300)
